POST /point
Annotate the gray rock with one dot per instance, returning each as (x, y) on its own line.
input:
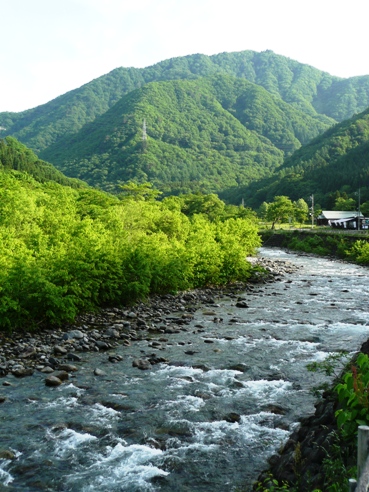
(58, 350)
(232, 417)
(21, 372)
(142, 364)
(99, 372)
(67, 368)
(28, 352)
(76, 334)
(102, 345)
(47, 370)
(62, 375)
(112, 333)
(53, 381)
(115, 358)
(73, 356)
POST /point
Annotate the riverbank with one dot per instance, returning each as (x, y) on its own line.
(55, 351)
(232, 387)
(316, 442)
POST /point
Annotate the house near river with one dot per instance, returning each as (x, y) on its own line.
(343, 219)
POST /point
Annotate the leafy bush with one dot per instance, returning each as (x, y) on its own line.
(64, 251)
(353, 395)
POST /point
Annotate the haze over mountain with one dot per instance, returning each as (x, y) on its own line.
(213, 122)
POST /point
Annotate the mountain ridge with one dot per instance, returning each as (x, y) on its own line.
(208, 132)
(301, 85)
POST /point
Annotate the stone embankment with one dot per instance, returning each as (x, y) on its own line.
(56, 351)
(300, 462)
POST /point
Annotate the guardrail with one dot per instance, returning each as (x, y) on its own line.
(362, 482)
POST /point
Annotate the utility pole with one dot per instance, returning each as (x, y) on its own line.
(358, 212)
(312, 211)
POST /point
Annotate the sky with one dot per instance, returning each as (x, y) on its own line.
(49, 47)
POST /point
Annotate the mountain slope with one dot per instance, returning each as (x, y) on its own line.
(336, 160)
(16, 156)
(207, 134)
(312, 91)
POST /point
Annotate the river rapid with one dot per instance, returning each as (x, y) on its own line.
(233, 389)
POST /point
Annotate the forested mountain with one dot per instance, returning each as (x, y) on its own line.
(206, 134)
(310, 90)
(336, 162)
(16, 156)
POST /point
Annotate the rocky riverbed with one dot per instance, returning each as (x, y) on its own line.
(202, 378)
(55, 351)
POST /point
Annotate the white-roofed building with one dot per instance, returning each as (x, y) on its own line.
(342, 219)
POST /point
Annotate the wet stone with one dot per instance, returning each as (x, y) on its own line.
(5, 454)
(62, 375)
(99, 372)
(21, 372)
(142, 364)
(53, 381)
(58, 350)
(74, 357)
(68, 368)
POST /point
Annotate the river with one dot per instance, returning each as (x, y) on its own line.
(233, 390)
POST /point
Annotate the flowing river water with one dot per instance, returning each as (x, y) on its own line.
(233, 391)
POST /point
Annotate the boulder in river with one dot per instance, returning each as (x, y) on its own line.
(5, 454)
(99, 372)
(242, 304)
(142, 364)
(62, 375)
(53, 381)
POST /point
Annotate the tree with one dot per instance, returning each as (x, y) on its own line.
(281, 209)
(345, 204)
(263, 210)
(138, 192)
(301, 210)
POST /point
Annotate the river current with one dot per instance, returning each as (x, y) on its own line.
(234, 388)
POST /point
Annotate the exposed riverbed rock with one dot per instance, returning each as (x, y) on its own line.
(5, 454)
(23, 353)
(53, 381)
(142, 364)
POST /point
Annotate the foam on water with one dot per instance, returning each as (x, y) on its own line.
(69, 440)
(64, 402)
(166, 371)
(129, 467)
(186, 403)
(5, 477)
(265, 390)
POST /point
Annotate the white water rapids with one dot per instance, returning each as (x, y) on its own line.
(207, 420)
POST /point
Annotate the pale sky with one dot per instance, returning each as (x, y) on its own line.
(49, 47)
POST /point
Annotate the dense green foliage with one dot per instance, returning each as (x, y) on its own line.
(333, 165)
(16, 156)
(207, 134)
(304, 87)
(65, 251)
(353, 396)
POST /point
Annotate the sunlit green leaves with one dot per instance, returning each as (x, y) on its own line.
(65, 251)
